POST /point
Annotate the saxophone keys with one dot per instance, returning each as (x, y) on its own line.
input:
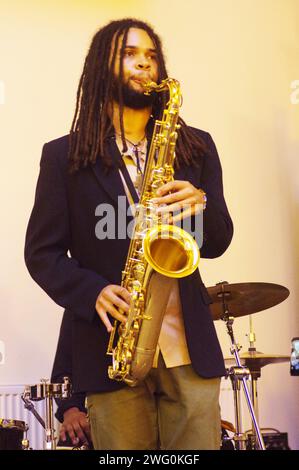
(147, 317)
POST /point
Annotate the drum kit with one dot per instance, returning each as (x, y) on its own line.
(229, 301)
(13, 433)
(47, 391)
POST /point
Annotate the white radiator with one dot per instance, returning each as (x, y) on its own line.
(12, 407)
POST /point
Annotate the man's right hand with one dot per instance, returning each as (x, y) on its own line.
(113, 299)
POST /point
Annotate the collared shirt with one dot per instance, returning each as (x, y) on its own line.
(172, 340)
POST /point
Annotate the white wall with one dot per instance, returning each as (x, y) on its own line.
(236, 61)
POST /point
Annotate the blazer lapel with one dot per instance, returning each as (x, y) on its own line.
(110, 180)
(188, 173)
(180, 173)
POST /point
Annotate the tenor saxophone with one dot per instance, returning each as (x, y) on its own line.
(157, 253)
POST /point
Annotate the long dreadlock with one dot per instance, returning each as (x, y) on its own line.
(91, 124)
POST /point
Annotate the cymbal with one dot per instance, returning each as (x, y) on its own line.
(256, 359)
(245, 298)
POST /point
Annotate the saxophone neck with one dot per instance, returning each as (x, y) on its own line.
(173, 86)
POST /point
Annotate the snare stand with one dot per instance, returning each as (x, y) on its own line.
(237, 375)
(50, 441)
(48, 424)
(46, 391)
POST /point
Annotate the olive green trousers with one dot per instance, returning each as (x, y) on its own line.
(173, 408)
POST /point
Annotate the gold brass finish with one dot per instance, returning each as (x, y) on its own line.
(157, 254)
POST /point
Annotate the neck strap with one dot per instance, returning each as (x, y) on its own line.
(119, 163)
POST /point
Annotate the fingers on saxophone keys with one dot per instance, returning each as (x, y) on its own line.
(168, 199)
(118, 292)
(165, 209)
(118, 302)
(104, 317)
(109, 308)
(125, 295)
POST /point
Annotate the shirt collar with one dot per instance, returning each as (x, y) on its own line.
(142, 148)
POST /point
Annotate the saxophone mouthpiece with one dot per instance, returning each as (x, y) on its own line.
(149, 87)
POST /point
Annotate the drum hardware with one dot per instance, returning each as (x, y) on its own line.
(273, 438)
(254, 361)
(226, 440)
(245, 299)
(25, 444)
(237, 374)
(28, 405)
(12, 435)
(240, 375)
(46, 391)
(82, 447)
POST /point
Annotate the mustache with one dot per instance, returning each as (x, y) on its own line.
(134, 99)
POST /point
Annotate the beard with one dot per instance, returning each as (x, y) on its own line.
(132, 98)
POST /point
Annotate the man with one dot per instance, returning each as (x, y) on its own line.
(176, 406)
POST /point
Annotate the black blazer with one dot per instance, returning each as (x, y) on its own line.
(62, 367)
(64, 256)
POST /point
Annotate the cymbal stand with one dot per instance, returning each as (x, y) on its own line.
(236, 374)
(239, 375)
(255, 371)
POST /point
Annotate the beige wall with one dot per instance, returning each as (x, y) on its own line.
(236, 61)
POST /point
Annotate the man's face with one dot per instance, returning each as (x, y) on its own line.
(139, 65)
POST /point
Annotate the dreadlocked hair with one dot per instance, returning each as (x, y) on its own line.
(91, 125)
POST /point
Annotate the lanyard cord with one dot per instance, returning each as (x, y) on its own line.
(136, 150)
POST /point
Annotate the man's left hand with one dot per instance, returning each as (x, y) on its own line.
(76, 425)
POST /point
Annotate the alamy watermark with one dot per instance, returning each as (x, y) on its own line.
(119, 224)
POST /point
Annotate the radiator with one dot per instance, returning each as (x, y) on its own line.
(12, 407)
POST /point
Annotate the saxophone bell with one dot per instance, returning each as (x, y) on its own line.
(171, 251)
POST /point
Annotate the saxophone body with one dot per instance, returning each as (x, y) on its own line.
(157, 254)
